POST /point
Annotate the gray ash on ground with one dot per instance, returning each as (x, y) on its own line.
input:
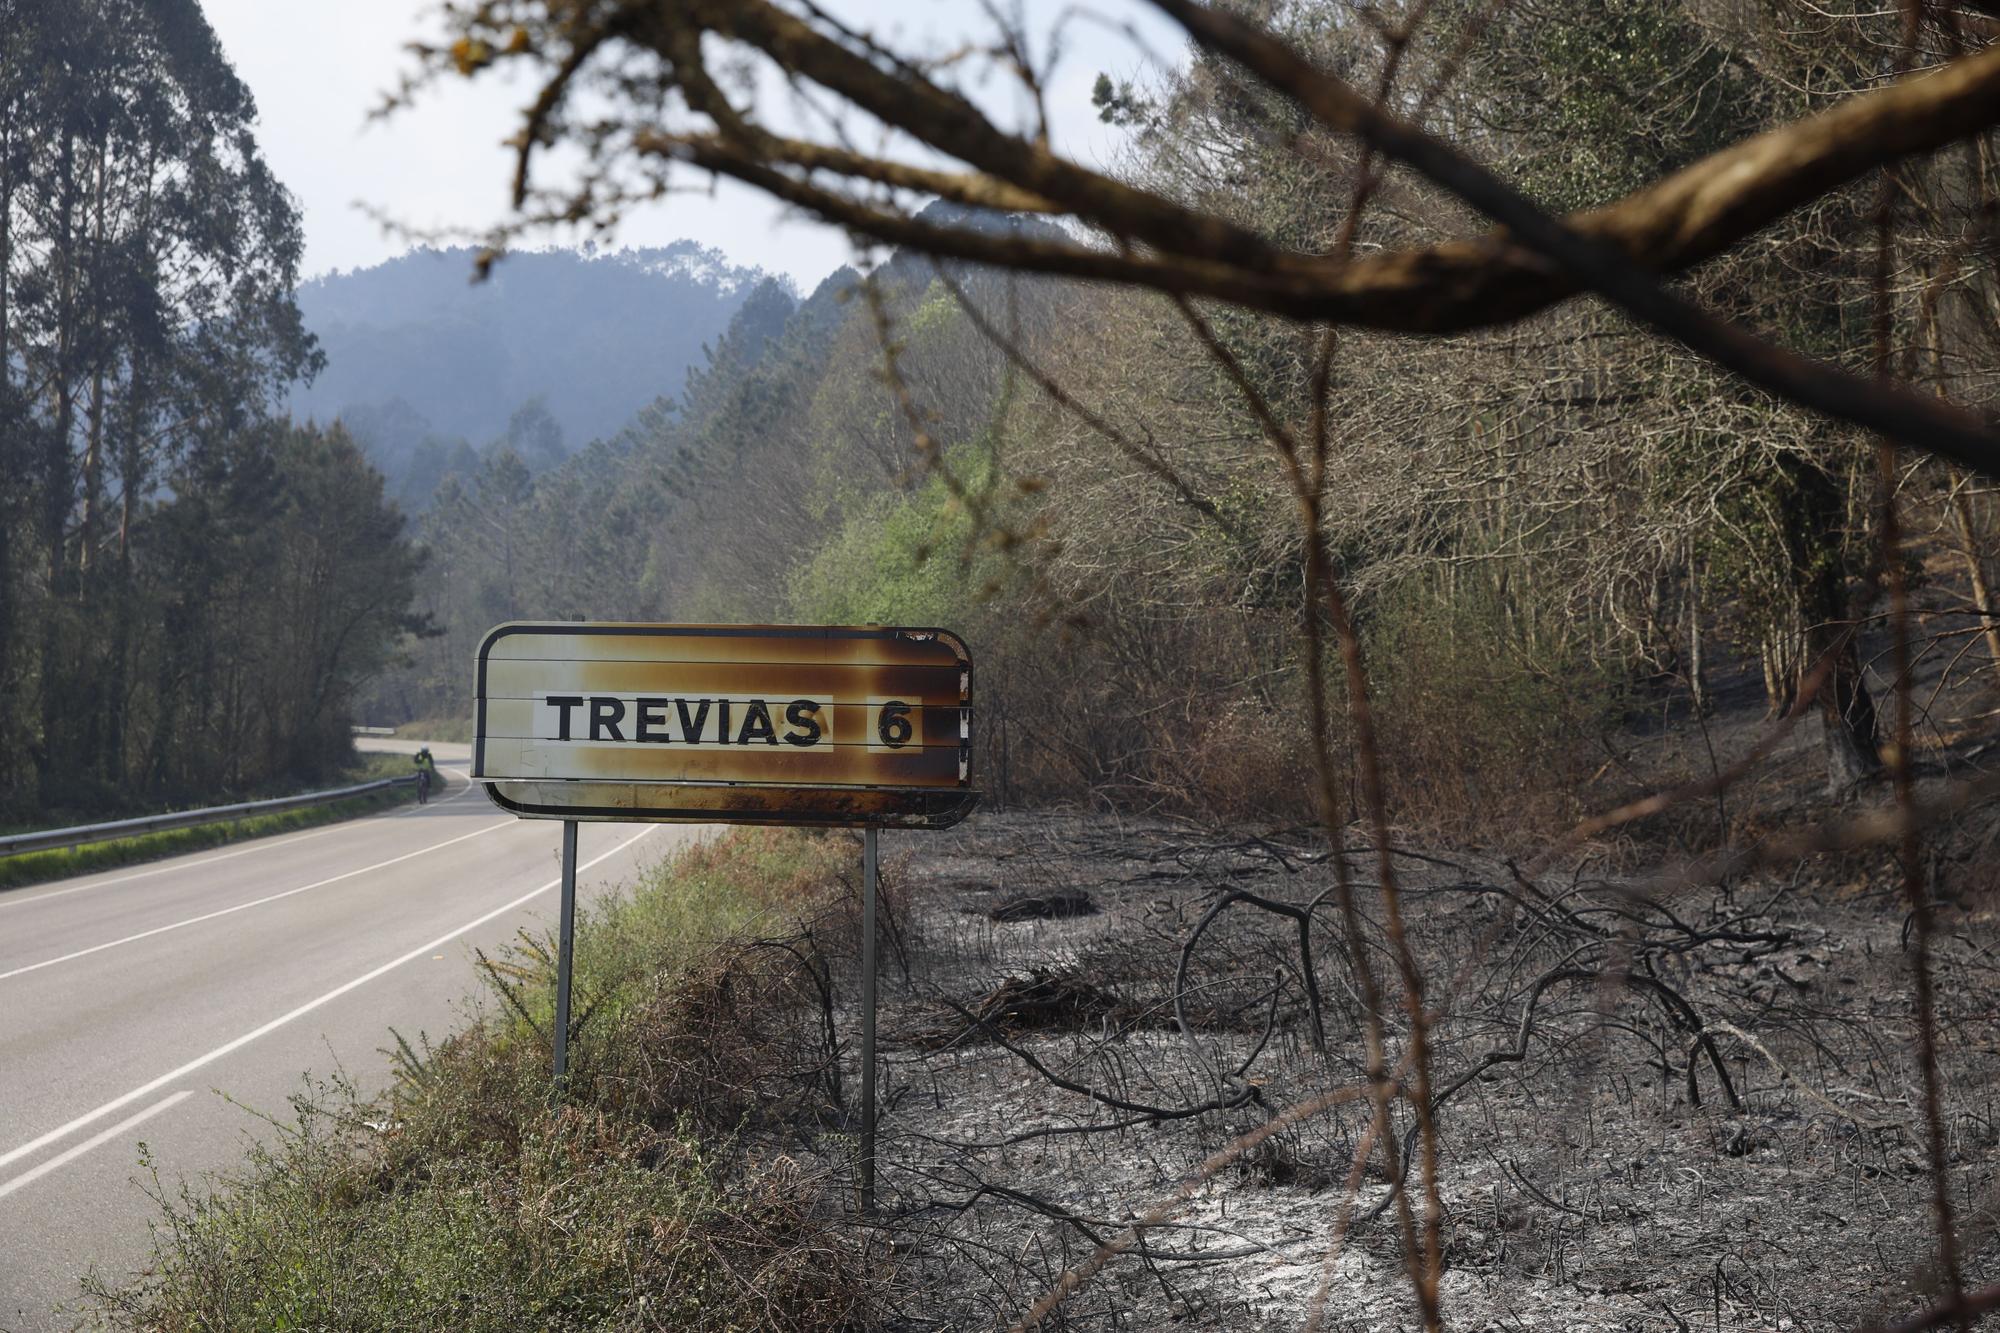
(1713, 1120)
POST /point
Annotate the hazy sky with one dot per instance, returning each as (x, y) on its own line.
(317, 69)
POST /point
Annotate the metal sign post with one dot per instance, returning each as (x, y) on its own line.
(869, 865)
(565, 950)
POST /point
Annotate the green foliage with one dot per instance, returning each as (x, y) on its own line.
(275, 583)
(908, 558)
(1117, 103)
(189, 593)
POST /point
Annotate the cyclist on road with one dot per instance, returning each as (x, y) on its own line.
(426, 774)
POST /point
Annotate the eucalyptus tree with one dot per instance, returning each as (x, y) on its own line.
(147, 262)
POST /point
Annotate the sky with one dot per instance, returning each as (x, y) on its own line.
(316, 71)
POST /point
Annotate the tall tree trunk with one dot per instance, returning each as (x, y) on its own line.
(93, 452)
(125, 596)
(12, 464)
(50, 753)
(1696, 672)
(1812, 530)
(1975, 568)
(1778, 656)
(7, 188)
(91, 742)
(1961, 507)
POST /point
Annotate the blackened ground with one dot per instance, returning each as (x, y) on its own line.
(1584, 1186)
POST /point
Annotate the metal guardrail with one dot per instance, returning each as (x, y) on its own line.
(373, 731)
(84, 834)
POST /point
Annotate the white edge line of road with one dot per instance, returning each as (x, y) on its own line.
(22, 897)
(94, 1141)
(236, 1044)
(258, 902)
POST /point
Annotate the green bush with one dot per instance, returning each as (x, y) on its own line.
(907, 558)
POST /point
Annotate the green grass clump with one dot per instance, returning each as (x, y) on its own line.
(373, 765)
(589, 1222)
(456, 729)
(653, 1193)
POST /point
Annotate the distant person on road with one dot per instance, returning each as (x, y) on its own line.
(426, 774)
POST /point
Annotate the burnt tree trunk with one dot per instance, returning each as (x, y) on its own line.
(1812, 534)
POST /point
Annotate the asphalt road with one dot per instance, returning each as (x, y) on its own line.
(171, 1003)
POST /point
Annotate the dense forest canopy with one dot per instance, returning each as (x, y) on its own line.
(190, 590)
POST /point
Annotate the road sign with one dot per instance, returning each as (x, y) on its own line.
(772, 724)
(855, 725)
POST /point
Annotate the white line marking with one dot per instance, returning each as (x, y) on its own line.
(22, 897)
(256, 902)
(63, 1131)
(96, 1140)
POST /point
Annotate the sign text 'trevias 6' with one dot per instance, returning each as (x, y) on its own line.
(860, 725)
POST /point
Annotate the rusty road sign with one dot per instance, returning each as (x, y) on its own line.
(862, 726)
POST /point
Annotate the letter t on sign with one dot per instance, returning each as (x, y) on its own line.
(563, 703)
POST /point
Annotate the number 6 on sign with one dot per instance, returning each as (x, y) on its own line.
(894, 724)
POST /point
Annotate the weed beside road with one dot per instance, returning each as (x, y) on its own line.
(657, 1193)
(449, 729)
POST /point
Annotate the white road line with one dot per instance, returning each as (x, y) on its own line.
(238, 1043)
(257, 902)
(22, 897)
(94, 1141)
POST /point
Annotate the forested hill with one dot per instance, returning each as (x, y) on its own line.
(428, 368)
(777, 479)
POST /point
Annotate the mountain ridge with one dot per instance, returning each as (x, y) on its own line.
(422, 358)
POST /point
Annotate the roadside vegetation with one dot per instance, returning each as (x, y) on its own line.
(63, 862)
(662, 1189)
(450, 729)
